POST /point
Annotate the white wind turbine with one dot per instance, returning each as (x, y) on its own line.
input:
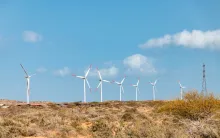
(136, 87)
(100, 82)
(85, 81)
(28, 83)
(154, 88)
(120, 85)
(181, 90)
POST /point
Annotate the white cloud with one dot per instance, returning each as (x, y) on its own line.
(138, 63)
(41, 70)
(105, 72)
(62, 72)
(194, 39)
(30, 36)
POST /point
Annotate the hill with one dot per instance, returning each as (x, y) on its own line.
(195, 116)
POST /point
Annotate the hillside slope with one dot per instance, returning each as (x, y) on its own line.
(105, 120)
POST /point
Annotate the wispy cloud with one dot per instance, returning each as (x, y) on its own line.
(139, 64)
(194, 39)
(62, 72)
(41, 70)
(105, 72)
(32, 37)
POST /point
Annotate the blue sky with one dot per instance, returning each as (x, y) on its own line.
(168, 40)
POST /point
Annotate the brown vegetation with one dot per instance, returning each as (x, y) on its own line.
(195, 116)
(194, 106)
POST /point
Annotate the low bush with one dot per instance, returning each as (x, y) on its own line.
(194, 106)
(53, 106)
(127, 117)
(101, 129)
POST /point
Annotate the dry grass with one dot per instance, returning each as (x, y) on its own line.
(195, 116)
(194, 106)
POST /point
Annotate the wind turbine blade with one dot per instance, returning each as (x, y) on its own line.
(88, 83)
(122, 88)
(24, 70)
(138, 82)
(81, 77)
(33, 75)
(117, 82)
(29, 92)
(123, 80)
(180, 84)
(27, 83)
(155, 88)
(133, 85)
(99, 74)
(88, 71)
(106, 81)
(138, 90)
(28, 89)
(155, 82)
(99, 85)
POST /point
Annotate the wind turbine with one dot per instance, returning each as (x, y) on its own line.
(154, 88)
(28, 83)
(136, 87)
(100, 82)
(181, 90)
(85, 81)
(120, 85)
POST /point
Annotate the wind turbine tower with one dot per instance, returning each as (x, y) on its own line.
(204, 89)
(181, 90)
(100, 82)
(120, 84)
(28, 83)
(136, 87)
(84, 78)
(154, 88)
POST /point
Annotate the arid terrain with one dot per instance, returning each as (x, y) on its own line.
(195, 116)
